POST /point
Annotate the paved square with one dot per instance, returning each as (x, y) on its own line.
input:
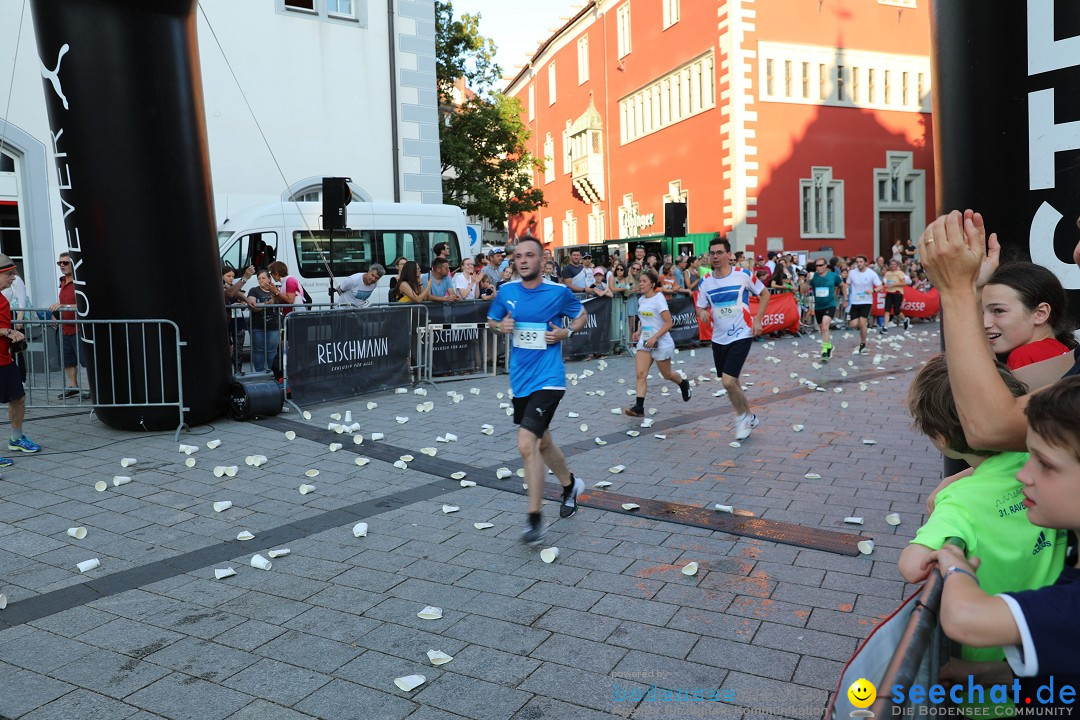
(612, 623)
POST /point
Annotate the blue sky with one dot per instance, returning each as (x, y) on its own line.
(516, 26)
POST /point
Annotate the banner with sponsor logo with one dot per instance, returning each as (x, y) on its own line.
(595, 337)
(344, 353)
(684, 327)
(916, 304)
(782, 314)
(456, 336)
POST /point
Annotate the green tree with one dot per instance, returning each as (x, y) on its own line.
(487, 169)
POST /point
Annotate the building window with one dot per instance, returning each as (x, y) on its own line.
(549, 159)
(336, 11)
(865, 79)
(569, 229)
(622, 19)
(566, 154)
(340, 8)
(596, 225)
(682, 93)
(821, 201)
(532, 102)
(671, 12)
(549, 230)
(551, 83)
(583, 60)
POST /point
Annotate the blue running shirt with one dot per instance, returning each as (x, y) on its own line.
(533, 368)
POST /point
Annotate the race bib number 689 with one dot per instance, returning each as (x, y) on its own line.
(530, 336)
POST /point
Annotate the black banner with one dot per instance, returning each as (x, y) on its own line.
(595, 337)
(1005, 111)
(457, 347)
(344, 353)
(684, 329)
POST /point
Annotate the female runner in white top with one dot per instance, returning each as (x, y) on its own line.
(654, 343)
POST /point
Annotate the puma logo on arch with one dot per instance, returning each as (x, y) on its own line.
(53, 76)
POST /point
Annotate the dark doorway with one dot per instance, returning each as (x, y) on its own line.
(893, 226)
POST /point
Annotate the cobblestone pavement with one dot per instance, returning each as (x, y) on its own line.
(325, 632)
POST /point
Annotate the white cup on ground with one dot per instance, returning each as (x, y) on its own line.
(548, 555)
(120, 480)
(360, 529)
(77, 532)
(222, 505)
(258, 561)
(88, 565)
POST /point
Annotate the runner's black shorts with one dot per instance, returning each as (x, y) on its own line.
(11, 387)
(894, 303)
(822, 313)
(860, 311)
(729, 359)
(534, 412)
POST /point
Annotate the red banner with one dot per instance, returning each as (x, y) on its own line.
(916, 304)
(782, 314)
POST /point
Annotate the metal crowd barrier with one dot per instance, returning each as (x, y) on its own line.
(119, 363)
(923, 647)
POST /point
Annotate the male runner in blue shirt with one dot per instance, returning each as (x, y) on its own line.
(531, 311)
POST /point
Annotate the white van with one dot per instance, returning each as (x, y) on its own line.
(378, 233)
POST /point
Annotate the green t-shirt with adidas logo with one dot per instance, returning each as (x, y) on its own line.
(987, 510)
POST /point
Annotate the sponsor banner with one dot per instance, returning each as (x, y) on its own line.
(595, 337)
(684, 327)
(456, 347)
(782, 314)
(916, 304)
(344, 353)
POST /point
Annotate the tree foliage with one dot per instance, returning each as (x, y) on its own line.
(487, 169)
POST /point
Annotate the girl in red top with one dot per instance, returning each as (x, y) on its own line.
(1024, 314)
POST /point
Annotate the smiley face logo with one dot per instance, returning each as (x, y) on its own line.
(862, 693)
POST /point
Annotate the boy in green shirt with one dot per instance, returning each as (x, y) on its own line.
(986, 509)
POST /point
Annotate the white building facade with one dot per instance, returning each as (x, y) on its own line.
(294, 90)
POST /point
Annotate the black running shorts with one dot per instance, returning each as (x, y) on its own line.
(729, 359)
(534, 412)
(860, 311)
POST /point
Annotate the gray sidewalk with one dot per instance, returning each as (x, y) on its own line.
(324, 633)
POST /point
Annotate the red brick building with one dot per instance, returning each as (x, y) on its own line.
(793, 124)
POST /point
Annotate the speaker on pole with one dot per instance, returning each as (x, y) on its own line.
(675, 219)
(335, 196)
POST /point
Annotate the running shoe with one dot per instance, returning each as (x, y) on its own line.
(684, 386)
(633, 412)
(23, 443)
(826, 351)
(534, 531)
(6, 462)
(745, 425)
(568, 504)
(906, 323)
(883, 330)
(863, 350)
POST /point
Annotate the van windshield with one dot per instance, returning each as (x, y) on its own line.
(347, 253)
